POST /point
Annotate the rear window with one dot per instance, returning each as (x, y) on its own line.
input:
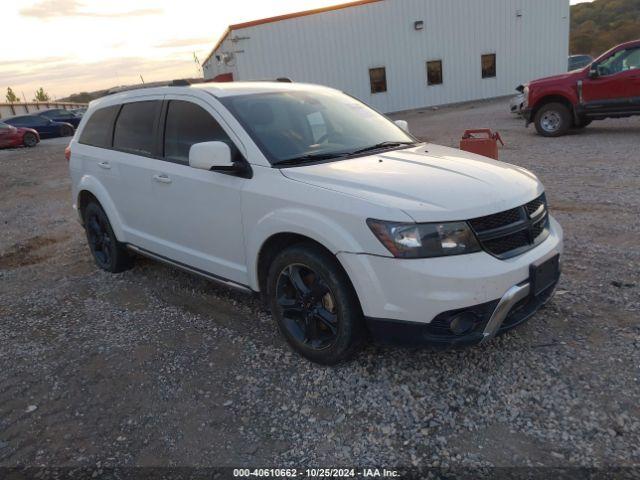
(135, 128)
(186, 125)
(98, 131)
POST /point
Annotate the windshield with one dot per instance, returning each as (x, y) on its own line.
(294, 127)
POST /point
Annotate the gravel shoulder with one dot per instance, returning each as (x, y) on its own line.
(154, 367)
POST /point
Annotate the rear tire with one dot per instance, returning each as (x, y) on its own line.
(66, 131)
(29, 140)
(553, 120)
(108, 254)
(315, 305)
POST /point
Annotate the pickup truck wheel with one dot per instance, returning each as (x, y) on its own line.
(108, 253)
(314, 304)
(553, 120)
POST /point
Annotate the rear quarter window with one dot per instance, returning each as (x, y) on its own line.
(98, 131)
(135, 128)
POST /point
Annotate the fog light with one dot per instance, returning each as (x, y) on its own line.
(463, 323)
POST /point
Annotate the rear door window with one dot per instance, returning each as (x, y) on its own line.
(98, 132)
(186, 125)
(135, 128)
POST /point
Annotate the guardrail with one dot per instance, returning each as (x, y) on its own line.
(12, 109)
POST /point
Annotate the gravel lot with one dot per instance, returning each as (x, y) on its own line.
(157, 367)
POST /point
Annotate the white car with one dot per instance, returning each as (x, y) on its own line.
(346, 224)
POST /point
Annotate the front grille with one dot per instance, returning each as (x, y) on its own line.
(506, 244)
(513, 232)
(497, 220)
(532, 207)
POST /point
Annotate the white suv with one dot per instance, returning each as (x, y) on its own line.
(346, 224)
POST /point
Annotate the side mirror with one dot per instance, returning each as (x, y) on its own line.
(214, 156)
(593, 72)
(403, 124)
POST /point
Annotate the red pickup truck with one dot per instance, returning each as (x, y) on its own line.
(608, 88)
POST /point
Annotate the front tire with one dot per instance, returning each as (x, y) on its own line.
(29, 140)
(553, 120)
(315, 305)
(108, 254)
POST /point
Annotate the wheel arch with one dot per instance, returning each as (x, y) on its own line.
(90, 189)
(295, 223)
(277, 242)
(553, 98)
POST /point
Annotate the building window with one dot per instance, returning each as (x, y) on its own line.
(378, 80)
(489, 65)
(434, 72)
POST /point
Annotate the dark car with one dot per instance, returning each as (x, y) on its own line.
(41, 124)
(78, 112)
(62, 115)
(11, 136)
(577, 62)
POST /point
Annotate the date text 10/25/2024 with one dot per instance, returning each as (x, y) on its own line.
(316, 473)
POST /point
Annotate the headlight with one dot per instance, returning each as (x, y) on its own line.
(526, 96)
(425, 240)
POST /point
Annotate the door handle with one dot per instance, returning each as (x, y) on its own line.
(162, 178)
(105, 165)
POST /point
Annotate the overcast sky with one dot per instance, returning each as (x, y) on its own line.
(68, 46)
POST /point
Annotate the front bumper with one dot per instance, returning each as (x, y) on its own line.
(407, 301)
(496, 318)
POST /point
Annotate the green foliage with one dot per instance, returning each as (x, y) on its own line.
(602, 24)
(10, 96)
(41, 96)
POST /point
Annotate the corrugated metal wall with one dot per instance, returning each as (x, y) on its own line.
(337, 48)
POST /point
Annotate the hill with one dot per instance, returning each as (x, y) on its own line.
(602, 24)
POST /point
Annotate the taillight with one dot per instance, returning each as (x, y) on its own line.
(67, 153)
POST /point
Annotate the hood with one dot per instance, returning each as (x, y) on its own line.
(569, 76)
(429, 183)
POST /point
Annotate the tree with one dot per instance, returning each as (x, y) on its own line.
(599, 25)
(11, 97)
(41, 96)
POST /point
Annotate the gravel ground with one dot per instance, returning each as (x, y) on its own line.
(157, 367)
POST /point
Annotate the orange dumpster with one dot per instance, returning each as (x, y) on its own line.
(481, 141)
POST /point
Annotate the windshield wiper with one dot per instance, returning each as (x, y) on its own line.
(313, 157)
(382, 145)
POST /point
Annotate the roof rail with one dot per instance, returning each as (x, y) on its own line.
(180, 83)
(284, 80)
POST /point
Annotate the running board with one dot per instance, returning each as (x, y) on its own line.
(186, 268)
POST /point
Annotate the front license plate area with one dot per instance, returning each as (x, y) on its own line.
(544, 274)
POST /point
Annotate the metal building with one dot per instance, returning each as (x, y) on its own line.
(403, 54)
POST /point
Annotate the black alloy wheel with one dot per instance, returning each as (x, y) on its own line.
(108, 253)
(314, 304)
(308, 307)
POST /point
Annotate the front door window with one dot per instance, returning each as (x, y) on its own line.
(620, 62)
